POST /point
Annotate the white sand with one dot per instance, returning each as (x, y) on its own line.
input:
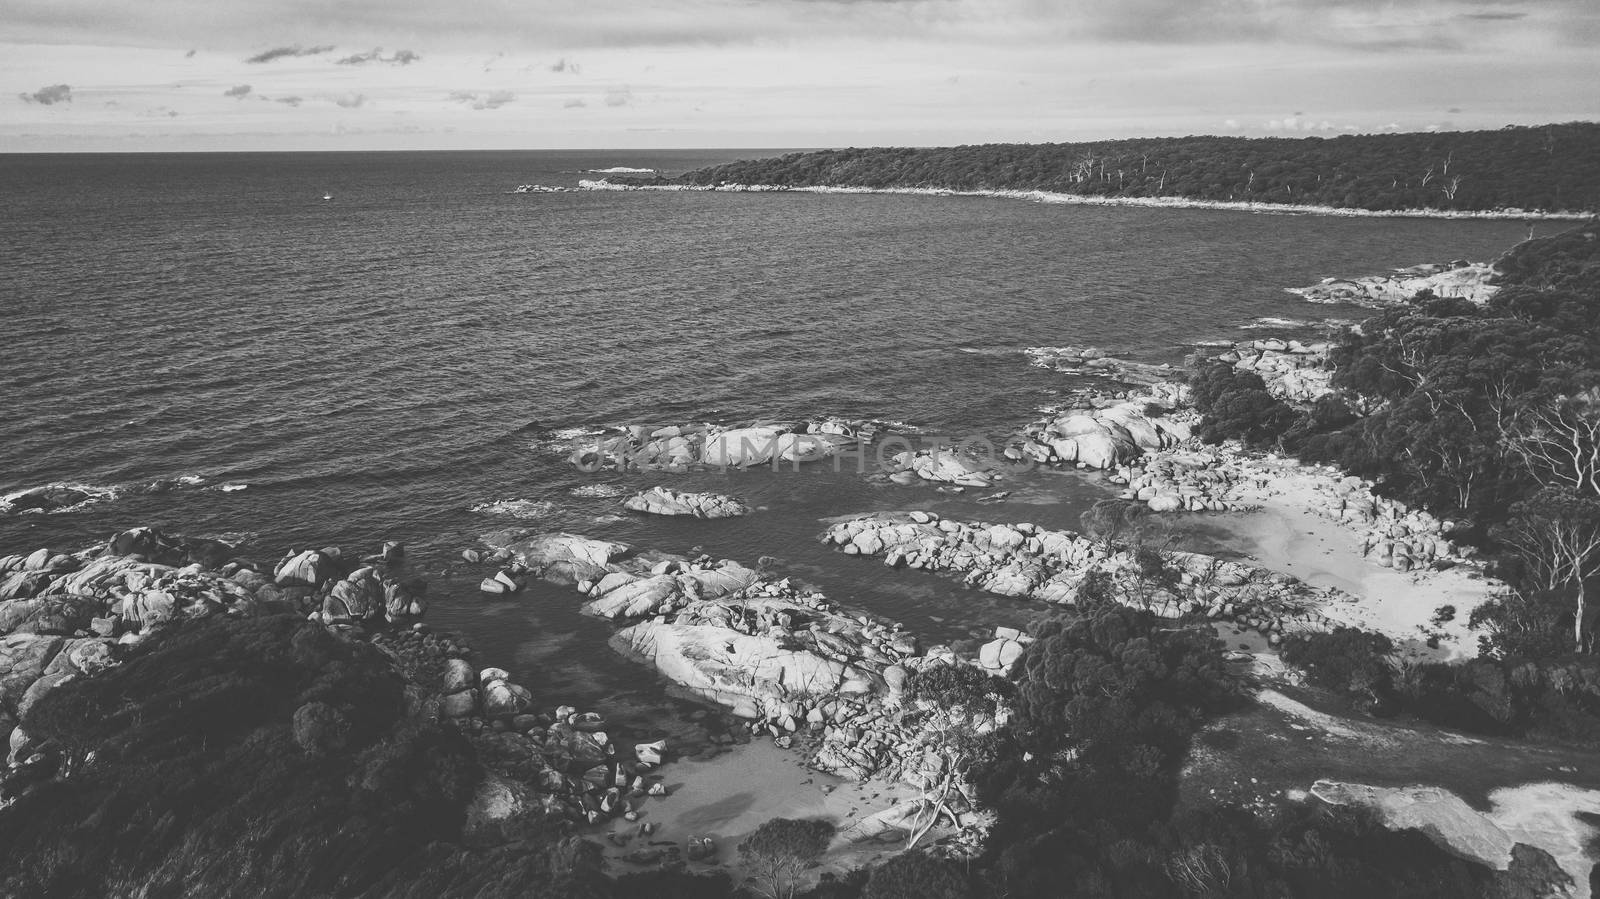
(728, 797)
(1044, 196)
(1286, 535)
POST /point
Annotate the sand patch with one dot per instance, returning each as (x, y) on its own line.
(1286, 535)
(728, 797)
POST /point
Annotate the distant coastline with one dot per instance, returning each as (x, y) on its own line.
(1043, 196)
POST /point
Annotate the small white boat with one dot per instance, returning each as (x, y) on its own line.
(326, 196)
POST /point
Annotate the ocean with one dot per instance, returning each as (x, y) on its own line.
(222, 352)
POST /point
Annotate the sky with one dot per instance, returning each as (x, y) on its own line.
(94, 75)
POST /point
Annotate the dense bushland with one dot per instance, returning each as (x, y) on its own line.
(1550, 167)
(258, 757)
(1486, 415)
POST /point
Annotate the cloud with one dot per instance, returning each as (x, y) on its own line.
(619, 96)
(1494, 16)
(189, 55)
(491, 100)
(281, 52)
(574, 104)
(1298, 122)
(565, 65)
(291, 100)
(238, 91)
(351, 100)
(50, 95)
(400, 58)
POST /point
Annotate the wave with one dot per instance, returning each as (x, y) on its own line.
(1274, 322)
(516, 508)
(620, 170)
(63, 496)
(576, 433)
(599, 491)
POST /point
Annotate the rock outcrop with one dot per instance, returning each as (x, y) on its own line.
(1182, 481)
(85, 612)
(665, 501)
(779, 655)
(678, 448)
(1097, 362)
(1026, 561)
(941, 466)
(1106, 436)
(1293, 371)
(1467, 280)
(1390, 533)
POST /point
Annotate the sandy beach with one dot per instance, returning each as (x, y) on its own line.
(727, 797)
(1045, 196)
(1286, 534)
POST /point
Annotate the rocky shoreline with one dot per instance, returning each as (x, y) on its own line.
(69, 615)
(1458, 279)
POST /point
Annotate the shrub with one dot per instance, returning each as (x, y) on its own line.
(779, 850)
(917, 875)
(1347, 659)
(963, 686)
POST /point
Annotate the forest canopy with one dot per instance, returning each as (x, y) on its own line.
(1552, 168)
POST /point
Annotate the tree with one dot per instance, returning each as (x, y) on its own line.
(1555, 535)
(779, 850)
(960, 703)
(1559, 441)
(916, 875)
(1117, 686)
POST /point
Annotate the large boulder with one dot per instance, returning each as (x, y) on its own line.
(637, 599)
(47, 615)
(22, 584)
(499, 799)
(23, 659)
(741, 447)
(572, 750)
(311, 568)
(567, 558)
(356, 598)
(729, 667)
(149, 608)
(503, 699)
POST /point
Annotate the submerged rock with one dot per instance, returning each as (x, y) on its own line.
(664, 501)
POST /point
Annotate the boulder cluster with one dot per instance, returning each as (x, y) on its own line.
(1293, 371)
(66, 615)
(555, 764)
(1182, 481)
(1467, 280)
(679, 448)
(781, 656)
(1390, 533)
(1095, 361)
(1026, 561)
(665, 501)
(1106, 436)
(941, 466)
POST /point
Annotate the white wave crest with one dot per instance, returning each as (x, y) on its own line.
(516, 508)
(50, 499)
